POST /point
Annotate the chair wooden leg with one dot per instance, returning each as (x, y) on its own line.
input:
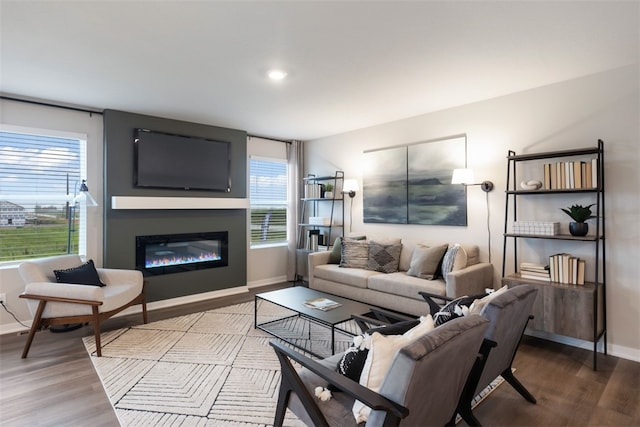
(96, 330)
(37, 322)
(511, 379)
(281, 408)
(144, 312)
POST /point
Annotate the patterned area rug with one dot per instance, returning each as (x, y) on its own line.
(204, 369)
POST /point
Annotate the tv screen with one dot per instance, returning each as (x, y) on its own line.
(164, 160)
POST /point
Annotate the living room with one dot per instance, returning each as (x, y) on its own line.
(572, 109)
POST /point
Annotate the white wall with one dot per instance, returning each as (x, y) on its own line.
(570, 114)
(40, 117)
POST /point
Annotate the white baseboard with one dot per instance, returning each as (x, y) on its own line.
(266, 282)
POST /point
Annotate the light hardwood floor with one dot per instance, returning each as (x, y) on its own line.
(57, 385)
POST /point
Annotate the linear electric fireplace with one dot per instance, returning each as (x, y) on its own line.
(176, 253)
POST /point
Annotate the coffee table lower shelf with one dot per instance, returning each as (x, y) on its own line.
(316, 332)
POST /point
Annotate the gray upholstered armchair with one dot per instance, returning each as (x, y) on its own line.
(54, 303)
(421, 387)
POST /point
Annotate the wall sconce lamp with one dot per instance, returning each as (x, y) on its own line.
(465, 177)
(350, 186)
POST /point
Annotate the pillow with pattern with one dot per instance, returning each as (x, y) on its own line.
(354, 254)
(384, 258)
(352, 362)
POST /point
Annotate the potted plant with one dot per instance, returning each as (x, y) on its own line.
(328, 191)
(579, 214)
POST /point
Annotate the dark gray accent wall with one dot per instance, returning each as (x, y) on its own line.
(122, 226)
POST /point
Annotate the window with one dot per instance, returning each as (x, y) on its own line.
(268, 200)
(39, 177)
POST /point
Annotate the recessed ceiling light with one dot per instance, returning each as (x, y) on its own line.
(277, 74)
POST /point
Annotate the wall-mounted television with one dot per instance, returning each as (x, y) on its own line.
(164, 160)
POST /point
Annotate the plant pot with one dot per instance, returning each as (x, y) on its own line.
(328, 194)
(578, 228)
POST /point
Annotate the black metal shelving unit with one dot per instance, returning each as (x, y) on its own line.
(551, 312)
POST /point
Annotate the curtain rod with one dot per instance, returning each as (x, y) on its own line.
(269, 138)
(48, 104)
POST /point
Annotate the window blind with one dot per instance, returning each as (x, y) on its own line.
(268, 201)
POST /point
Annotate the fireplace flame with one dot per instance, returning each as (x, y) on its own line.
(180, 260)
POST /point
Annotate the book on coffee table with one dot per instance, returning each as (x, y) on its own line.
(323, 304)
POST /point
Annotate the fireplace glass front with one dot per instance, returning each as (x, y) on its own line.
(176, 253)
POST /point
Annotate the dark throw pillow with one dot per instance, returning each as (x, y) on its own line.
(86, 274)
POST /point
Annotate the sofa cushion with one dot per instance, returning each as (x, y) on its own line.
(425, 261)
(384, 257)
(354, 253)
(356, 277)
(400, 283)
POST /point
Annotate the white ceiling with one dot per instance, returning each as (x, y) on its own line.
(351, 64)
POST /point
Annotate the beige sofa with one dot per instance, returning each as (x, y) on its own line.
(399, 291)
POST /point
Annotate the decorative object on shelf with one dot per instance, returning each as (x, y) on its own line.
(579, 214)
(531, 185)
(466, 178)
(328, 191)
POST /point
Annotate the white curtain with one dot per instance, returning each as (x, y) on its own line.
(295, 159)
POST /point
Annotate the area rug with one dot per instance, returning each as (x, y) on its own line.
(204, 369)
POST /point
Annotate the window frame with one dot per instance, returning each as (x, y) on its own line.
(285, 202)
(80, 214)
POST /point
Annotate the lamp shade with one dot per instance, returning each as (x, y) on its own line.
(462, 176)
(350, 185)
(84, 196)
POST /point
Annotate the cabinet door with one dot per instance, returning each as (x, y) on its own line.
(564, 309)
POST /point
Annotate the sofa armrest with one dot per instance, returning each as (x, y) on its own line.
(316, 258)
(471, 280)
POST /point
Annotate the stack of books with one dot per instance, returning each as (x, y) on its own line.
(565, 268)
(530, 270)
(571, 175)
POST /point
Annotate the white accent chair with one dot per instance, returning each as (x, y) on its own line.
(53, 303)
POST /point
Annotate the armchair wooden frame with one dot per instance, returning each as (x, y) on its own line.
(96, 317)
(291, 382)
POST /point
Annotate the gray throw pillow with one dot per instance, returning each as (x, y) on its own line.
(425, 261)
(336, 250)
(355, 253)
(384, 258)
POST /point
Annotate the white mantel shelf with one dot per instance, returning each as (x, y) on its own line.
(132, 202)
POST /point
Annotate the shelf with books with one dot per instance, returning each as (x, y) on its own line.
(576, 173)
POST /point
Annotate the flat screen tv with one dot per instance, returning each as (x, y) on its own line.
(163, 160)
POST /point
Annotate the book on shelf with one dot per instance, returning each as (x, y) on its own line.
(567, 269)
(571, 175)
(525, 275)
(324, 304)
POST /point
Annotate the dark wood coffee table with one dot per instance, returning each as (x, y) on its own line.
(294, 298)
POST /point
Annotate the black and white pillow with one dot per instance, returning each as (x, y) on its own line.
(457, 308)
(353, 360)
